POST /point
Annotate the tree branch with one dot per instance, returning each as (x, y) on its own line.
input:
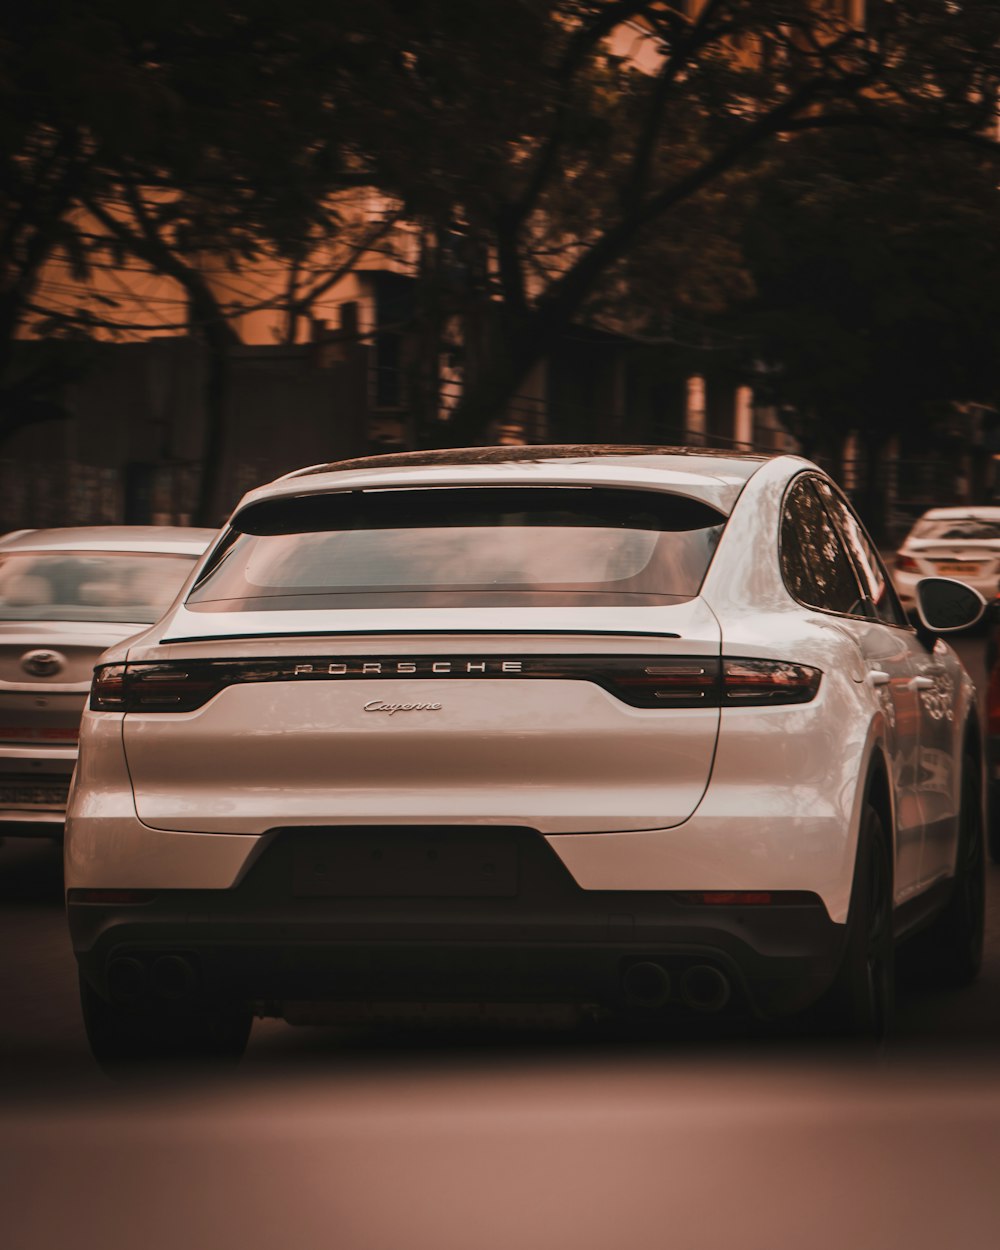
(376, 234)
(701, 34)
(580, 46)
(149, 246)
(577, 282)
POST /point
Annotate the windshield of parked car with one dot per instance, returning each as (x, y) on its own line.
(89, 586)
(462, 547)
(958, 529)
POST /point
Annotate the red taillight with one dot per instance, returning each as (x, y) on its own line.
(107, 691)
(157, 687)
(668, 682)
(763, 682)
(51, 734)
(119, 898)
(906, 564)
(748, 898)
(731, 898)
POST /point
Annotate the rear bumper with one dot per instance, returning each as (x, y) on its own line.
(16, 823)
(544, 941)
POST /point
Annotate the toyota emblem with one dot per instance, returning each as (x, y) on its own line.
(42, 663)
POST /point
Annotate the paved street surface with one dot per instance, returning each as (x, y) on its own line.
(384, 1141)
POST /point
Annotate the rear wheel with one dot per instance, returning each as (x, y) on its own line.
(129, 1037)
(860, 1002)
(951, 949)
(993, 817)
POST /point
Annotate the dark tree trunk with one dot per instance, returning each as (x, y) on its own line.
(871, 499)
(17, 412)
(207, 324)
(494, 373)
(210, 508)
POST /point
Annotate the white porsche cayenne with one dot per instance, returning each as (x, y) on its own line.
(622, 728)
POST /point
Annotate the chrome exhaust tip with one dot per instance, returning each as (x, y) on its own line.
(173, 977)
(646, 984)
(705, 988)
(127, 982)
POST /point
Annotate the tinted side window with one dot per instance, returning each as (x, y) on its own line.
(814, 563)
(874, 578)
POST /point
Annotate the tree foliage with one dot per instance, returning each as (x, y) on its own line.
(564, 159)
(876, 263)
(160, 133)
(619, 120)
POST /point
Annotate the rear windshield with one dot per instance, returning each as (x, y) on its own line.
(89, 586)
(958, 529)
(462, 548)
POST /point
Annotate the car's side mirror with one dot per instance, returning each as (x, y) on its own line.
(945, 605)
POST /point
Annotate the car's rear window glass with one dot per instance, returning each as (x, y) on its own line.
(462, 547)
(958, 529)
(93, 586)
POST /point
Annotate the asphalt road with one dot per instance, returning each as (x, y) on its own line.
(382, 1141)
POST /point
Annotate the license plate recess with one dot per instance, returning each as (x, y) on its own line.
(403, 863)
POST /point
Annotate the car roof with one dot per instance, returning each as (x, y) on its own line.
(154, 539)
(715, 476)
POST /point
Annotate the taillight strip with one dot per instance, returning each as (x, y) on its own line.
(640, 681)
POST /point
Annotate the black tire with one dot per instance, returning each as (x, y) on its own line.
(993, 821)
(950, 949)
(129, 1038)
(860, 1001)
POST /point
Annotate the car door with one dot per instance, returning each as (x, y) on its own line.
(828, 578)
(940, 767)
(932, 690)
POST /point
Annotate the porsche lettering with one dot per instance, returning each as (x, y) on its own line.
(406, 668)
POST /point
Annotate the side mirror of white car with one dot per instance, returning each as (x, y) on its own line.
(945, 605)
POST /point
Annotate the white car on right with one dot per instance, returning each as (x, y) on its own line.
(963, 543)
